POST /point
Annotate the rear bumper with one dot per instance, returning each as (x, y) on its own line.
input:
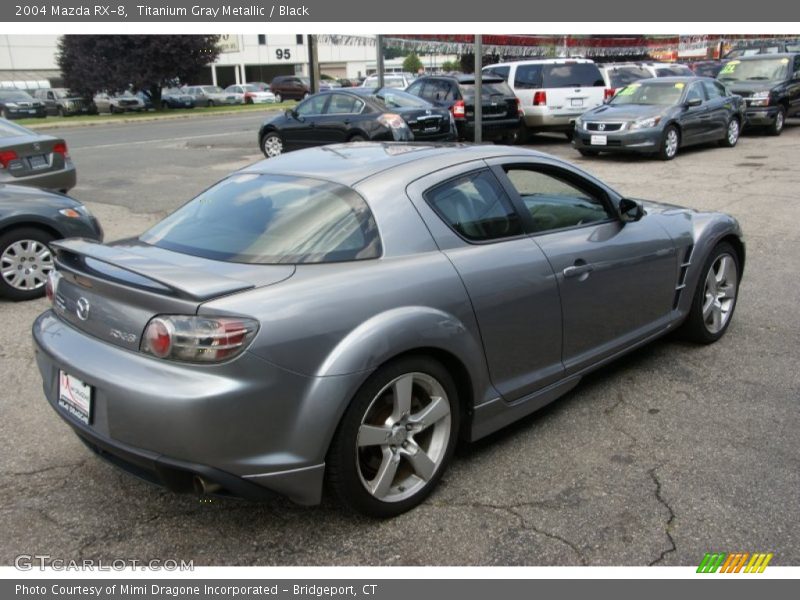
(65, 179)
(646, 141)
(544, 120)
(244, 425)
(493, 129)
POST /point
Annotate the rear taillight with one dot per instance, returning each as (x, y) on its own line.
(459, 109)
(540, 98)
(6, 156)
(609, 93)
(520, 112)
(197, 339)
(61, 148)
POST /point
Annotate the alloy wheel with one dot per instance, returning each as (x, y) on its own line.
(733, 132)
(403, 437)
(671, 143)
(719, 293)
(273, 146)
(25, 264)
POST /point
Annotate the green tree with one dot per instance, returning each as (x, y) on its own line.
(412, 63)
(451, 65)
(113, 63)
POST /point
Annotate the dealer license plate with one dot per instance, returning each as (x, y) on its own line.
(38, 161)
(75, 397)
(599, 140)
(576, 102)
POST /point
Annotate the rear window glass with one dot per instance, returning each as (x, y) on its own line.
(8, 129)
(271, 219)
(675, 71)
(500, 88)
(622, 76)
(397, 99)
(571, 75)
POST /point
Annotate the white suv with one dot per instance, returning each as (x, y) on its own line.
(553, 92)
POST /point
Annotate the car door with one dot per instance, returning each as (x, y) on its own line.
(616, 279)
(50, 102)
(342, 114)
(508, 278)
(793, 90)
(300, 129)
(695, 121)
(720, 109)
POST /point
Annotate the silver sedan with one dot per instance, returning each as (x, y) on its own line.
(349, 312)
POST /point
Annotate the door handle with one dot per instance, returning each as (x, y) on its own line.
(579, 269)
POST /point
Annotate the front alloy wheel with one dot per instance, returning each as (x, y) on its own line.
(715, 297)
(780, 120)
(272, 145)
(669, 143)
(395, 439)
(731, 134)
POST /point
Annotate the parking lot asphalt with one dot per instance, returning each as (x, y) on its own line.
(669, 453)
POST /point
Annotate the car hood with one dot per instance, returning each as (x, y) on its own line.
(626, 112)
(750, 86)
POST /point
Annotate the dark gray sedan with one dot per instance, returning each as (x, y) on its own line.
(30, 220)
(31, 158)
(349, 312)
(659, 116)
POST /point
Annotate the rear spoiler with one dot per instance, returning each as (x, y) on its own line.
(71, 256)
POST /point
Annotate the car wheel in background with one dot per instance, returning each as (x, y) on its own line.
(715, 296)
(732, 132)
(357, 137)
(569, 135)
(670, 141)
(395, 439)
(780, 120)
(25, 262)
(210, 103)
(272, 145)
(306, 95)
(4, 112)
(278, 97)
(60, 111)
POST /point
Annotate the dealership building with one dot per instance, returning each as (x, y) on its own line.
(29, 61)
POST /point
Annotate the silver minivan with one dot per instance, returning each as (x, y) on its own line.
(553, 92)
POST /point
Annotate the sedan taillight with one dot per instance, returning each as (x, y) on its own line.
(61, 148)
(6, 156)
(197, 339)
(520, 111)
(459, 109)
(609, 93)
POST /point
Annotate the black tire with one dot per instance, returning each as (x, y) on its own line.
(211, 103)
(729, 140)
(272, 144)
(165, 106)
(7, 240)
(278, 98)
(346, 462)
(112, 110)
(60, 111)
(357, 137)
(696, 328)
(569, 135)
(4, 113)
(777, 125)
(585, 152)
(669, 149)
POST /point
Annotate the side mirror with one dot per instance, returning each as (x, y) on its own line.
(292, 113)
(693, 102)
(630, 210)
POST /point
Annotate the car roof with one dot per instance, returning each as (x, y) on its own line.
(347, 164)
(768, 56)
(542, 61)
(676, 79)
(464, 78)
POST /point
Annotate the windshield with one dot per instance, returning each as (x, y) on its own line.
(622, 76)
(251, 88)
(655, 94)
(15, 95)
(392, 98)
(674, 71)
(62, 93)
(756, 69)
(271, 219)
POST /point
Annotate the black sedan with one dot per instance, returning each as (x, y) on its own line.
(19, 104)
(659, 116)
(355, 114)
(30, 219)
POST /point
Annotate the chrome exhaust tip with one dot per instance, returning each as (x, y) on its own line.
(203, 486)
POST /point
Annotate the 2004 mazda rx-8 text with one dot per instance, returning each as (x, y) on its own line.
(348, 312)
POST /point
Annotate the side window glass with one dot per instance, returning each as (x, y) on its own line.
(528, 77)
(343, 104)
(712, 90)
(796, 65)
(312, 106)
(695, 92)
(415, 88)
(476, 207)
(554, 203)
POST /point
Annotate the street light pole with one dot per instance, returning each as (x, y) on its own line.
(478, 89)
(379, 59)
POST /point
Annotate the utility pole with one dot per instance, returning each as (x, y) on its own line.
(313, 63)
(478, 89)
(379, 59)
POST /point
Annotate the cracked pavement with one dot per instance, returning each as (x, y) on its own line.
(666, 454)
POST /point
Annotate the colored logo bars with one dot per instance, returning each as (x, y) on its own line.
(734, 563)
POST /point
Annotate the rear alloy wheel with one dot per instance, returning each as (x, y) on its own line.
(731, 134)
(25, 262)
(395, 439)
(715, 297)
(670, 142)
(272, 145)
(780, 120)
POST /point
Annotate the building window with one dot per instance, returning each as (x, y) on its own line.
(262, 39)
(300, 37)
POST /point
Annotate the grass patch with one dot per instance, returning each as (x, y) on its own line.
(157, 114)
